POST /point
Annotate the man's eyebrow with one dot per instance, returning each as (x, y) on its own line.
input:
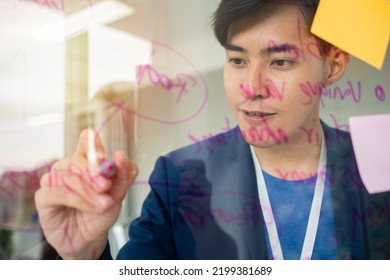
(279, 49)
(235, 48)
(266, 51)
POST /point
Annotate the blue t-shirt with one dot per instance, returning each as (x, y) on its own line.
(291, 203)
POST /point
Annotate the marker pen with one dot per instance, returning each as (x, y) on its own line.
(108, 168)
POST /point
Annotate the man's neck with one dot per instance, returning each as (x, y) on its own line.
(295, 160)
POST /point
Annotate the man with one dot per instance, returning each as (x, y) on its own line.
(282, 185)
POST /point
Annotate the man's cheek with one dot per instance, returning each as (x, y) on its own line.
(231, 90)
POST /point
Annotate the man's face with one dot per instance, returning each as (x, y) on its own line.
(273, 76)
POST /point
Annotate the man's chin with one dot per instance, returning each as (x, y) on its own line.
(263, 137)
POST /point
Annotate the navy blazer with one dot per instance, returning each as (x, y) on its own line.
(204, 204)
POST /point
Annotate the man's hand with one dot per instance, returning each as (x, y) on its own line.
(77, 205)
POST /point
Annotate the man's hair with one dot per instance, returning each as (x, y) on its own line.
(230, 11)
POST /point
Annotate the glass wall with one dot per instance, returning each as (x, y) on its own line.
(147, 75)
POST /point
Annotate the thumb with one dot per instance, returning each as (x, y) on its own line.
(90, 146)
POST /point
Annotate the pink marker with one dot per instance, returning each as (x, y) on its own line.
(108, 168)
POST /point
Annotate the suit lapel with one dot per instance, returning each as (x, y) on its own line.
(344, 183)
(242, 179)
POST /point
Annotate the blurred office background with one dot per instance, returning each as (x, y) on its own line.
(146, 74)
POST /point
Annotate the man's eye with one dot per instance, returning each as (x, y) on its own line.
(282, 63)
(237, 61)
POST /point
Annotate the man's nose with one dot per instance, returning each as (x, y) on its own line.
(255, 85)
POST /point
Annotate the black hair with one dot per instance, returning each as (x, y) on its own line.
(230, 11)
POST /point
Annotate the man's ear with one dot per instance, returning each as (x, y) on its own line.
(337, 61)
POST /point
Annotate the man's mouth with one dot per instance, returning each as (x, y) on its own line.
(259, 114)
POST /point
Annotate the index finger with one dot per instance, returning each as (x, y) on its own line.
(90, 146)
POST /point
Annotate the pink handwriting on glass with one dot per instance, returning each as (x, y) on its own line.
(219, 140)
(265, 133)
(337, 92)
(181, 83)
(86, 178)
(21, 180)
(201, 217)
(53, 5)
(310, 91)
(315, 138)
(162, 80)
(118, 107)
(34, 8)
(297, 175)
(56, 6)
(313, 47)
(376, 213)
(273, 91)
(380, 93)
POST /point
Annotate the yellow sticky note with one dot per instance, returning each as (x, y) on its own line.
(359, 27)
